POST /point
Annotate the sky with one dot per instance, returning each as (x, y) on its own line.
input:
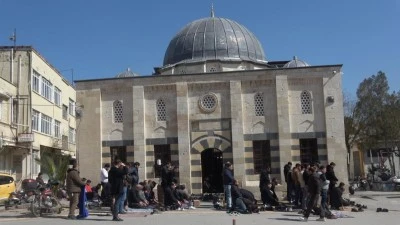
(100, 39)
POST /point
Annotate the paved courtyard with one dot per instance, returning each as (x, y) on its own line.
(208, 216)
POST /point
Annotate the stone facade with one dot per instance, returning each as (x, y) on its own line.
(231, 127)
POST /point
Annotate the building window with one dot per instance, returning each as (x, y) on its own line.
(57, 125)
(45, 124)
(208, 102)
(306, 106)
(259, 104)
(14, 110)
(47, 89)
(36, 81)
(35, 120)
(213, 70)
(118, 112)
(71, 107)
(71, 136)
(261, 155)
(118, 153)
(161, 110)
(57, 96)
(65, 112)
(308, 150)
(163, 153)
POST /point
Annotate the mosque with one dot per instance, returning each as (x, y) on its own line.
(215, 99)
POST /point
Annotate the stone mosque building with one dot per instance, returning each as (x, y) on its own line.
(215, 99)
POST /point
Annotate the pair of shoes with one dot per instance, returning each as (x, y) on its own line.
(322, 219)
(117, 219)
(192, 207)
(79, 217)
(234, 213)
(123, 212)
(303, 219)
(71, 217)
(382, 210)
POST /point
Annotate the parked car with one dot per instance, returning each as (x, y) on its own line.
(7, 186)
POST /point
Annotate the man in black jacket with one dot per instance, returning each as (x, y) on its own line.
(170, 198)
(314, 190)
(165, 182)
(264, 179)
(116, 177)
(287, 172)
(228, 181)
(268, 195)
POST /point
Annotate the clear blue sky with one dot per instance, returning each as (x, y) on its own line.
(99, 38)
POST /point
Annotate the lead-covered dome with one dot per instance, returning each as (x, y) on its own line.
(213, 38)
(295, 62)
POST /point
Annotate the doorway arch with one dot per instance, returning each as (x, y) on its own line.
(211, 170)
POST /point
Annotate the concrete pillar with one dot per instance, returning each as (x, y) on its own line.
(139, 129)
(282, 106)
(89, 137)
(182, 110)
(237, 131)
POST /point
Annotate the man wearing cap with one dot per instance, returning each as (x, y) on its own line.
(74, 184)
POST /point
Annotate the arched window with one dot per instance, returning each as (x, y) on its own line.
(259, 104)
(161, 110)
(306, 102)
(118, 112)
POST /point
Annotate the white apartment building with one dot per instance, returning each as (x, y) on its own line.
(37, 111)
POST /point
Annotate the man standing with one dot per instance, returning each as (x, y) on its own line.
(314, 190)
(116, 177)
(287, 172)
(265, 179)
(228, 181)
(330, 175)
(165, 182)
(104, 181)
(74, 184)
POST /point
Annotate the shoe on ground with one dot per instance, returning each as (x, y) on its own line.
(303, 219)
(192, 207)
(117, 219)
(321, 219)
(79, 217)
(71, 217)
(123, 212)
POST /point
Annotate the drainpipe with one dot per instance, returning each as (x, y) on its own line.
(18, 87)
(30, 109)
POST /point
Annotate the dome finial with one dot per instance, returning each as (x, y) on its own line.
(212, 10)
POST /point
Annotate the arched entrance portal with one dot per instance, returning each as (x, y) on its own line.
(211, 168)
